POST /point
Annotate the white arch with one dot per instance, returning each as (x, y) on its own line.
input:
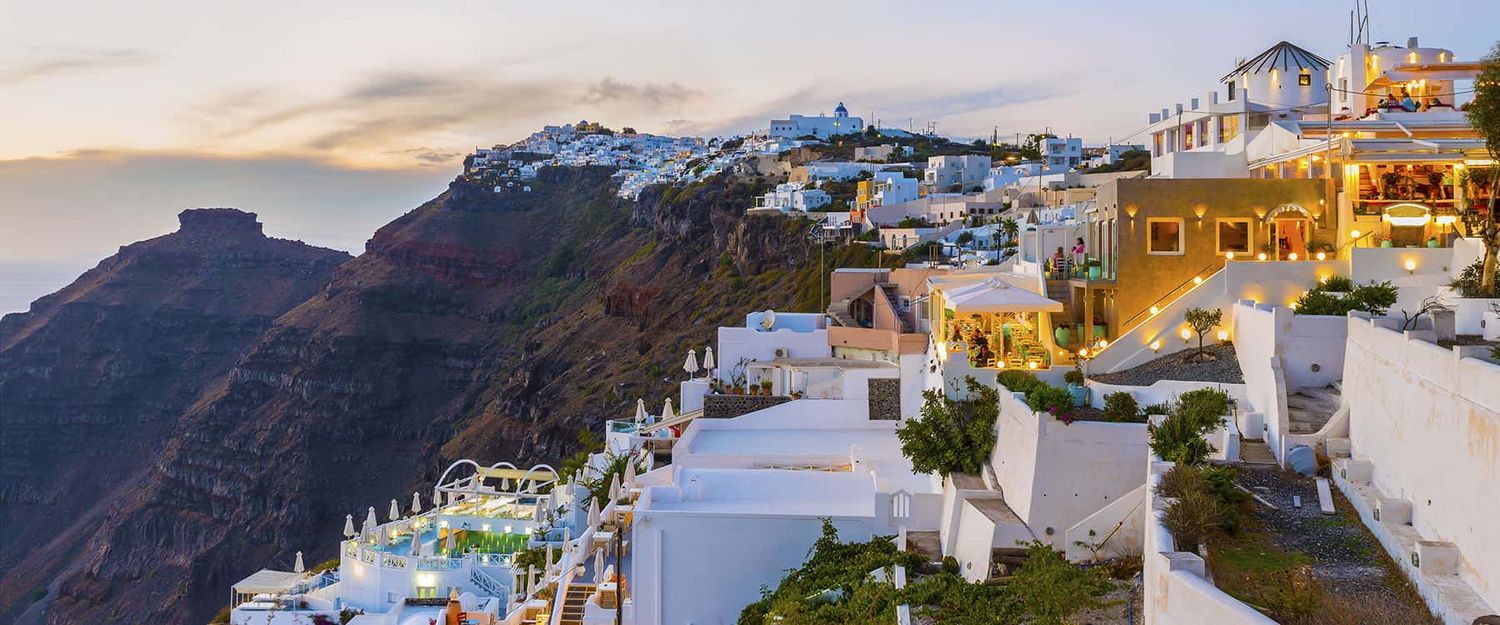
(438, 487)
(534, 483)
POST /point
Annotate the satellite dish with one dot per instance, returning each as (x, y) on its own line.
(767, 320)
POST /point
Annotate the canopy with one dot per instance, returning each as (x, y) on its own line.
(998, 297)
(267, 581)
(540, 475)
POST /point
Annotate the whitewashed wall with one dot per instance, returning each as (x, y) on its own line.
(753, 344)
(1429, 422)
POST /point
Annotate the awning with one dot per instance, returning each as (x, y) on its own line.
(267, 581)
(502, 473)
(995, 296)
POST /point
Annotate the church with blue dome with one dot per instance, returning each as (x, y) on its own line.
(821, 126)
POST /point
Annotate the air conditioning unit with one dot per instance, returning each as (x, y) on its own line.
(781, 352)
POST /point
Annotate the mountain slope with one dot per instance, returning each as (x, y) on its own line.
(93, 376)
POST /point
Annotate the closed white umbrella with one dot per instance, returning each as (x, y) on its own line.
(666, 411)
(691, 366)
(593, 512)
(452, 543)
(395, 511)
(708, 358)
(370, 522)
(416, 543)
(348, 526)
(416, 504)
(599, 567)
(531, 579)
(547, 572)
(640, 411)
(614, 487)
(630, 473)
(298, 568)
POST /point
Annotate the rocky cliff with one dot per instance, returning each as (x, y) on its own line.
(482, 325)
(93, 377)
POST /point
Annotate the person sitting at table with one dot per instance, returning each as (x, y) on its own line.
(1387, 103)
(1059, 264)
(1407, 104)
(1436, 104)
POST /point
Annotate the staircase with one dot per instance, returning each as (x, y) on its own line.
(1004, 562)
(572, 607)
(838, 310)
(1308, 409)
(890, 296)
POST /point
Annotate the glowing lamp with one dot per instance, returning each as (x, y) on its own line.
(1260, 256)
(1083, 352)
(1291, 256)
(1186, 334)
(1197, 279)
(1156, 345)
(1323, 279)
(1155, 310)
(1320, 256)
(1447, 220)
(1103, 343)
(1033, 364)
(1411, 265)
(1223, 335)
(1292, 305)
(1228, 255)
(1354, 234)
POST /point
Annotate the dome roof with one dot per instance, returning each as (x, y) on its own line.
(840, 110)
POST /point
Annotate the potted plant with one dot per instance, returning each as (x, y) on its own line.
(765, 387)
(1095, 270)
(1076, 387)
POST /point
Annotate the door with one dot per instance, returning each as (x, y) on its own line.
(1291, 238)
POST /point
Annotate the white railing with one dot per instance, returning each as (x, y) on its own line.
(490, 585)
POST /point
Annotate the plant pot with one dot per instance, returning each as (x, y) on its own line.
(1386, 243)
(1095, 273)
(1062, 334)
(1432, 243)
(1080, 394)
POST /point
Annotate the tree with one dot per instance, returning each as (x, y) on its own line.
(1031, 148)
(1010, 228)
(964, 238)
(952, 435)
(1484, 115)
(1203, 321)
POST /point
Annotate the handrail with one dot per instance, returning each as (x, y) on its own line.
(1171, 294)
(1352, 241)
(677, 420)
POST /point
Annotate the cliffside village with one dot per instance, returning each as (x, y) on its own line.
(1276, 327)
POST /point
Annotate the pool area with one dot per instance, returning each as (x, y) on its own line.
(434, 540)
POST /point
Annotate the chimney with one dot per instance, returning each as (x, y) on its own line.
(1195, 104)
(1411, 42)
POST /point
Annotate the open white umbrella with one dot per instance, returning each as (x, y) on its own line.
(348, 526)
(395, 511)
(416, 504)
(691, 366)
(593, 512)
(708, 358)
(640, 411)
(298, 568)
(666, 411)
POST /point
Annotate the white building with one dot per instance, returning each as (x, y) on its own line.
(964, 171)
(793, 196)
(893, 187)
(1109, 154)
(1060, 153)
(822, 126)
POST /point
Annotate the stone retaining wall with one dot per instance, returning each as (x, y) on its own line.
(885, 399)
(729, 406)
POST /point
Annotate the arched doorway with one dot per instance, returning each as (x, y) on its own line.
(1408, 224)
(1291, 231)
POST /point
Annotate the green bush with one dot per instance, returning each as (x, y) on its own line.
(1158, 408)
(952, 435)
(1074, 376)
(834, 585)
(1180, 480)
(1121, 406)
(1051, 399)
(1193, 518)
(1017, 381)
(1051, 589)
(1337, 284)
(1179, 439)
(1468, 280)
(1206, 406)
(1374, 298)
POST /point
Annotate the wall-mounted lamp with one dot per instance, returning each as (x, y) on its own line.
(1223, 335)
(1354, 234)
(1411, 265)
(1033, 364)
(1291, 256)
(1197, 280)
(1102, 344)
(1155, 309)
(1228, 255)
(1320, 256)
(1186, 334)
(1156, 345)
(1260, 256)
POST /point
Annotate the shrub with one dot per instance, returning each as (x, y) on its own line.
(1052, 590)
(1206, 406)
(1193, 519)
(1158, 408)
(1337, 284)
(1374, 298)
(950, 565)
(1180, 480)
(1074, 376)
(1179, 439)
(1121, 406)
(1467, 281)
(1051, 399)
(952, 435)
(1017, 381)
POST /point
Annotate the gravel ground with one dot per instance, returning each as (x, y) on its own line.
(1114, 612)
(1346, 557)
(1224, 369)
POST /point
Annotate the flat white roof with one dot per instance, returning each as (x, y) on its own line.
(768, 492)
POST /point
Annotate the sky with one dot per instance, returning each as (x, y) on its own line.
(331, 118)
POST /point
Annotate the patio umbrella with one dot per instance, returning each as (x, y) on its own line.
(416, 543)
(531, 579)
(298, 568)
(599, 566)
(547, 572)
(593, 512)
(630, 473)
(452, 543)
(708, 358)
(348, 526)
(640, 411)
(666, 411)
(416, 504)
(691, 366)
(614, 487)
(370, 521)
(395, 511)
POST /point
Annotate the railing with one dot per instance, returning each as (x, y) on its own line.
(1187, 285)
(490, 585)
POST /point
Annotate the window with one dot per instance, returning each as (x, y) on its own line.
(1164, 236)
(1304, 79)
(1233, 236)
(1229, 128)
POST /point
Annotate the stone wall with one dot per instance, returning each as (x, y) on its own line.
(729, 406)
(885, 399)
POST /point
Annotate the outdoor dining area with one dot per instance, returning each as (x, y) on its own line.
(994, 324)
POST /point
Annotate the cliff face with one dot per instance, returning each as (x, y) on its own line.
(481, 325)
(94, 376)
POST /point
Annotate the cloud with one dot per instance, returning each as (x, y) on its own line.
(39, 62)
(656, 95)
(429, 157)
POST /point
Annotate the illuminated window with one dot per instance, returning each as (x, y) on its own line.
(1229, 128)
(1304, 79)
(1233, 236)
(1164, 236)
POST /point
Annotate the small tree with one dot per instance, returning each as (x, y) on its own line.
(1484, 115)
(952, 435)
(1203, 321)
(1010, 228)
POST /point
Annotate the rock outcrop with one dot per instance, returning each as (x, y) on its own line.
(94, 377)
